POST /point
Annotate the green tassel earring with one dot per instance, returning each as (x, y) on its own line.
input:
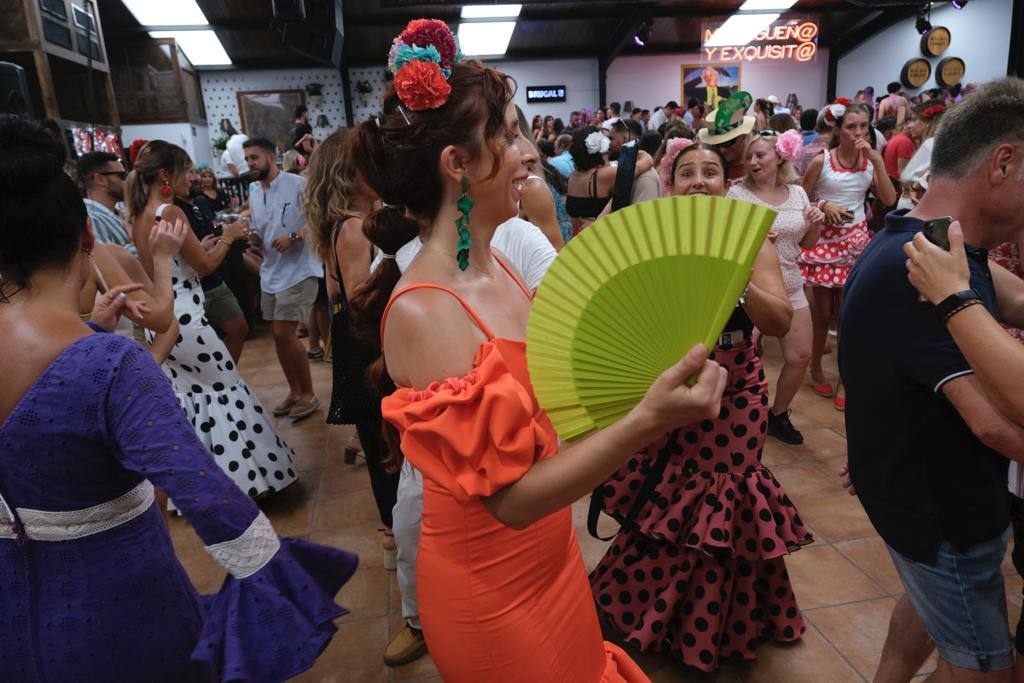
(465, 205)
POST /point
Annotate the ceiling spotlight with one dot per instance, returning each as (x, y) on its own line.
(960, 4)
(923, 25)
(643, 34)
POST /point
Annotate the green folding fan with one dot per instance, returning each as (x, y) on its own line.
(629, 296)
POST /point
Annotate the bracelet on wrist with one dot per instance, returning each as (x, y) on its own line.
(956, 302)
(966, 304)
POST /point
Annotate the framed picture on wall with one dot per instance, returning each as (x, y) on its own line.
(709, 83)
(270, 114)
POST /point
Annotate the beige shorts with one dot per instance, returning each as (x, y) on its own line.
(292, 304)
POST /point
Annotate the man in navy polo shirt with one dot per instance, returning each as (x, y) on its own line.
(927, 448)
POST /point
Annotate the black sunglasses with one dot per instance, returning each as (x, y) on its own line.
(123, 175)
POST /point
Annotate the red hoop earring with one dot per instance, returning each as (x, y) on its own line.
(165, 191)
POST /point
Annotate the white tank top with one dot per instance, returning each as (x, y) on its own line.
(845, 186)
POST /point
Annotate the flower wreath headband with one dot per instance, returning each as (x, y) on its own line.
(421, 59)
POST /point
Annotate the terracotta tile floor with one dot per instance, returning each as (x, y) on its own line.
(845, 582)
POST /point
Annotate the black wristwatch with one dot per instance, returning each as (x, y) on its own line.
(954, 302)
(293, 236)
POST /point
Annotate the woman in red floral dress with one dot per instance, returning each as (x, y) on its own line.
(699, 571)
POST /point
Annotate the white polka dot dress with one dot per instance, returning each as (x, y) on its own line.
(226, 415)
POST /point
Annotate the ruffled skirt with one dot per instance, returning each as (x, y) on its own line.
(700, 572)
(828, 263)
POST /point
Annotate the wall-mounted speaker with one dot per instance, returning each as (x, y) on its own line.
(320, 35)
(14, 90)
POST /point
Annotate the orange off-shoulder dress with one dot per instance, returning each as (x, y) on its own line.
(497, 605)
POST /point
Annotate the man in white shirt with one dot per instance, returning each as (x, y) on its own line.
(233, 158)
(614, 114)
(521, 243)
(663, 115)
(290, 272)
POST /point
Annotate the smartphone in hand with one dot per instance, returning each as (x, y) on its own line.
(937, 231)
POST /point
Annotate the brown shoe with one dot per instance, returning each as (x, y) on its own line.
(407, 646)
(284, 407)
(303, 409)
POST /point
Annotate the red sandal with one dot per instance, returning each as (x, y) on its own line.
(823, 389)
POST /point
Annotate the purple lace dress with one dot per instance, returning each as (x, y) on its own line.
(90, 589)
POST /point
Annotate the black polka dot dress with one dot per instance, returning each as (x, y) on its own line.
(226, 415)
(701, 574)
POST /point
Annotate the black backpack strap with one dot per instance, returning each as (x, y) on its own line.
(642, 496)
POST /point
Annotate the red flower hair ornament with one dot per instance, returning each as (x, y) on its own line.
(836, 111)
(933, 111)
(135, 148)
(422, 58)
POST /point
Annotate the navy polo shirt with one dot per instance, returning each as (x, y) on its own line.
(920, 473)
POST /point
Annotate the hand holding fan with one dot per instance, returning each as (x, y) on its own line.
(629, 296)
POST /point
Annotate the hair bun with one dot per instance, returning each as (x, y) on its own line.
(30, 157)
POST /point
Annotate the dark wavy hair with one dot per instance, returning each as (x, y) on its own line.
(583, 159)
(42, 216)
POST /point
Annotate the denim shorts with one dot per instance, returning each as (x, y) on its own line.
(962, 601)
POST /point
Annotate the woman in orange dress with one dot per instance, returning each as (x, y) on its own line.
(502, 588)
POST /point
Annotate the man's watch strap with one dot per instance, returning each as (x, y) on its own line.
(954, 302)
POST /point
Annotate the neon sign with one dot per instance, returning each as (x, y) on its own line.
(793, 39)
(545, 93)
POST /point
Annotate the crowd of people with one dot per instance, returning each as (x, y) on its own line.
(436, 221)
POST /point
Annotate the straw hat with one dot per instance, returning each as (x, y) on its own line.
(729, 121)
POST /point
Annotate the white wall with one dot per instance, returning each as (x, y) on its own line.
(579, 76)
(651, 81)
(193, 139)
(980, 36)
(220, 88)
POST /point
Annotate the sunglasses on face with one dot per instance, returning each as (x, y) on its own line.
(123, 175)
(766, 133)
(728, 143)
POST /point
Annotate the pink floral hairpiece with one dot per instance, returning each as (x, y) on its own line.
(789, 144)
(672, 151)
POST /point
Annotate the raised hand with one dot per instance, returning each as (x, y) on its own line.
(165, 240)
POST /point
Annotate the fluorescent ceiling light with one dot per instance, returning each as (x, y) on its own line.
(779, 5)
(202, 48)
(485, 37)
(491, 11)
(166, 12)
(740, 29)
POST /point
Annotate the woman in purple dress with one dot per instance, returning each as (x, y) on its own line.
(90, 588)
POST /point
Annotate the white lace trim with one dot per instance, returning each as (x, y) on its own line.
(244, 556)
(46, 525)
